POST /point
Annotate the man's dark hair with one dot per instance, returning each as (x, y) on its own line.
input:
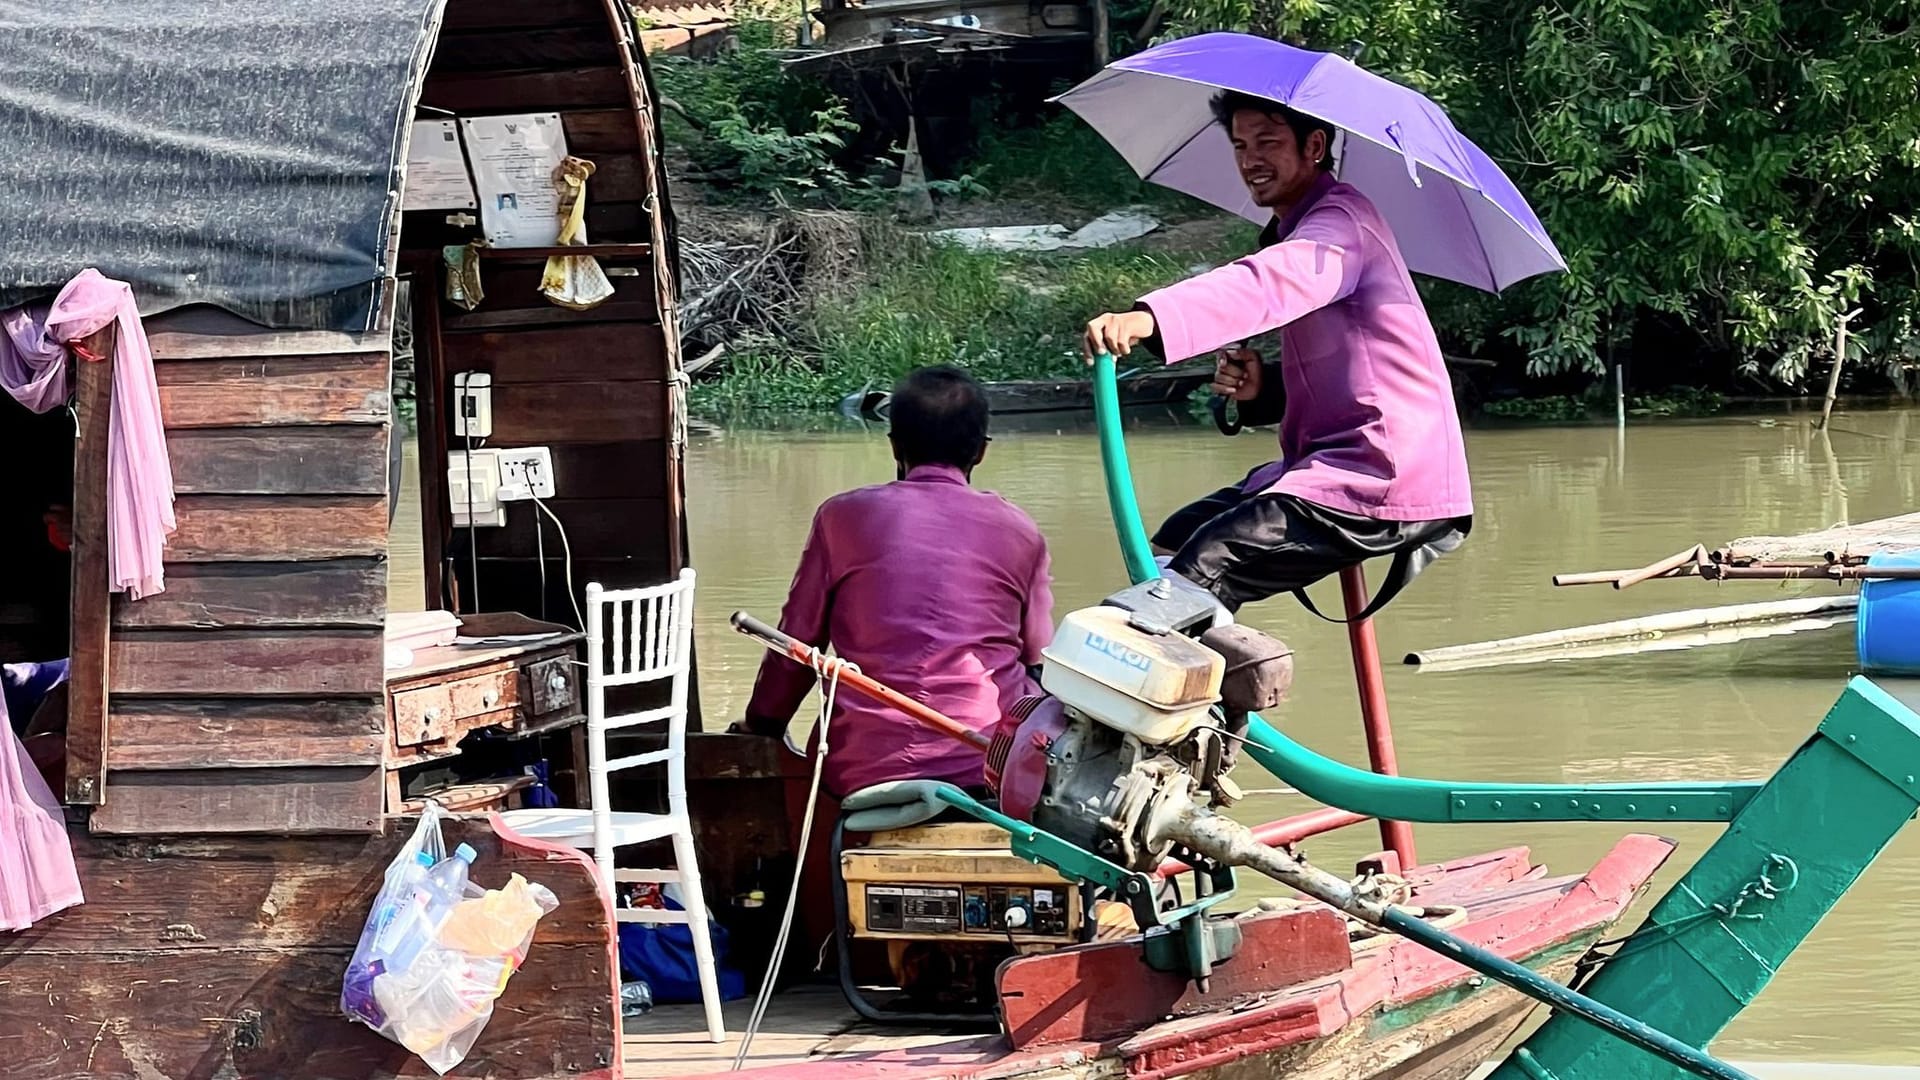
(1228, 102)
(938, 417)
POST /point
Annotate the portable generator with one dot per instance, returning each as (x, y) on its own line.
(950, 901)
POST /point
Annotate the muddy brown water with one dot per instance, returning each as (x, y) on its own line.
(1547, 500)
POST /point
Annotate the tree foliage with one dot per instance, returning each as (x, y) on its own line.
(1724, 177)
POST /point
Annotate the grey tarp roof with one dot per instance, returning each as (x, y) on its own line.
(242, 153)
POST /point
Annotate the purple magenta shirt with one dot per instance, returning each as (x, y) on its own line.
(935, 589)
(1370, 426)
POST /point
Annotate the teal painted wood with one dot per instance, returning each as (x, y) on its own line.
(1713, 942)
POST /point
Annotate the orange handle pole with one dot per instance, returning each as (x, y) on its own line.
(802, 653)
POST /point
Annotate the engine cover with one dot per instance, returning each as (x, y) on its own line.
(1154, 685)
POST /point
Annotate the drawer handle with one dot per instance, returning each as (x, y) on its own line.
(431, 715)
(490, 698)
(557, 682)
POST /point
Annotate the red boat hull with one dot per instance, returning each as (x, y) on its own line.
(1392, 1008)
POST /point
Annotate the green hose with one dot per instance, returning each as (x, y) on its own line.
(1134, 547)
(1400, 798)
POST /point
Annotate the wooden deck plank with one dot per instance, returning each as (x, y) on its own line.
(801, 1024)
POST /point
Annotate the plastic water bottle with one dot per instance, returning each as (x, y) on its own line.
(407, 881)
(448, 878)
(636, 998)
(427, 907)
(387, 922)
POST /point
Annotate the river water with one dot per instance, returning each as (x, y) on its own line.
(1548, 499)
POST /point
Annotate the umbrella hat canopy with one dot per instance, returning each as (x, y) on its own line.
(1454, 213)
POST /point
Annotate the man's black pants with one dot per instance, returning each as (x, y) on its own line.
(1245, 547)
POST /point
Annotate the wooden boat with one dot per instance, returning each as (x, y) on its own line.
(1162, 387)
(1168, 386)
(239, 757)
(1297, 1003)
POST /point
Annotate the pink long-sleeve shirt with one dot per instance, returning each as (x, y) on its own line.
(1369, 426)
(937, 590)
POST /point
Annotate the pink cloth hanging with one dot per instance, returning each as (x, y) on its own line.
(139, 475)
(37, 875)
(33, 366)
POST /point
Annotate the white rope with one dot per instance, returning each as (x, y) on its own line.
(827, 669)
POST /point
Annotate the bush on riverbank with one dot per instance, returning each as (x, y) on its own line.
(1722, 182)
(922, 302)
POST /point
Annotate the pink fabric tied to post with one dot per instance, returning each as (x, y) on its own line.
(37, 873)
(139, 475)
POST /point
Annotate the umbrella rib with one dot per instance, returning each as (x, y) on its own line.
(1165, 161)
(1486, 260)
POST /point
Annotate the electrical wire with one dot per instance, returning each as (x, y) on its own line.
(579, 620)
(827, 669)
(540, 559)
(473, 536)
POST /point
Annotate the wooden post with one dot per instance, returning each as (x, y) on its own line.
(1397, 835)
(92, 606)
(1102, 47)
(1839, 361)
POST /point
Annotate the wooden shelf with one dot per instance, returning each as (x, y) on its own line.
(463, 798)
(602, 251)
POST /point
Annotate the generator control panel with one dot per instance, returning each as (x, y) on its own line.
(956, 882)
(948, 910)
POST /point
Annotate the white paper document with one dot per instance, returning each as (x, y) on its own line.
(513, 159)
(437, 169)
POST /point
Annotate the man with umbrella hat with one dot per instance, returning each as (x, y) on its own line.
(1372, 459)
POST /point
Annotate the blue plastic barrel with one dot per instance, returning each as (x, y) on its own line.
(1888, 634)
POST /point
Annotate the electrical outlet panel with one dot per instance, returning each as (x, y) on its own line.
(473, 489)
(472, 404)
(526, 472)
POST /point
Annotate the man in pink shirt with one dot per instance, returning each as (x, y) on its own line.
(1371, 457)
(933, 588)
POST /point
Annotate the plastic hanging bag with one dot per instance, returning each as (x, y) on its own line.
(430, 964)
(403, 873)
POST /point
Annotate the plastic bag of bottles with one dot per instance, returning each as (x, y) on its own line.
(437, 950)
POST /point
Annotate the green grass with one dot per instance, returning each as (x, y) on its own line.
(999, 316)
(1063, 162)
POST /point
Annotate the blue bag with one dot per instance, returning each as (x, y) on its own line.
(661, 954)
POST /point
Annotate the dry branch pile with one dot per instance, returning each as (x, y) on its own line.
(750, 278)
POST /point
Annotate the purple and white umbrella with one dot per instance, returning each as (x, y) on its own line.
(1455, 214)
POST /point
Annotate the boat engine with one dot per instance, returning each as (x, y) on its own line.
(1145, 698)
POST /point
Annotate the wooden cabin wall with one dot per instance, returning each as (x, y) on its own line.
(594, 386)
(222, 957)
(247, 697)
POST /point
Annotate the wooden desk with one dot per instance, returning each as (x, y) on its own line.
(450, 691)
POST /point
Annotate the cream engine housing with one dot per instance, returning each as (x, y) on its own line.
(1154, 687)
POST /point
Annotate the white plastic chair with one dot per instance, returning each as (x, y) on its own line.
(637, 636)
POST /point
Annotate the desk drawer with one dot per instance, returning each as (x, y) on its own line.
(494, 692)
(422, 715)
(554, 686)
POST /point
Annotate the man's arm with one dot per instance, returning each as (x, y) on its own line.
(1317, 266)
(1036, 614)
(782, 684)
